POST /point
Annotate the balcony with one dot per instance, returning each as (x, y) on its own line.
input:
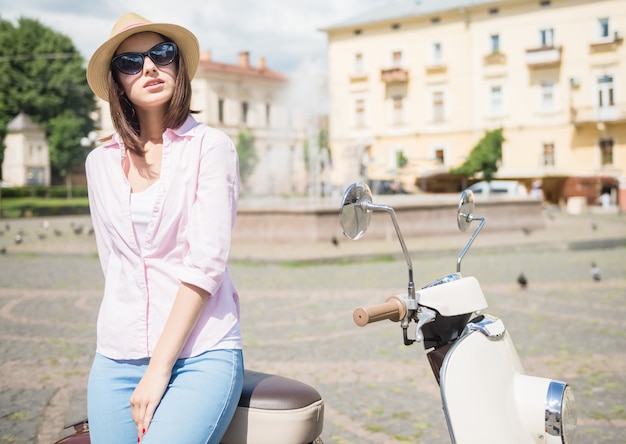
(495, 58)
(436, 68)
(358, 77)
(394, 75)
(607, 44)
(543, 56)
(594, 115)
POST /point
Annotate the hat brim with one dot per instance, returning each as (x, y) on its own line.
(99, 64)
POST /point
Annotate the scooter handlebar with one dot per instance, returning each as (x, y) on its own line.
(393, 309)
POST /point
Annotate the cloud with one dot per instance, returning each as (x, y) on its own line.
(283, 31)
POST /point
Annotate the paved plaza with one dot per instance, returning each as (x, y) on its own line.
(297, 304)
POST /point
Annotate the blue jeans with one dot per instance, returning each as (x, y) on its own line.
(197, 406)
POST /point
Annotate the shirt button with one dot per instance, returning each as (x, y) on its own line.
(144, 296)
(151, 224)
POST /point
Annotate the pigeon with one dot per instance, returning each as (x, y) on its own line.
(522, 281)
(58, 232)
(334, 241)
(18, 238)
(526, 230)
(595, 272)
(78, 229)
(3, 250)
(594, 226)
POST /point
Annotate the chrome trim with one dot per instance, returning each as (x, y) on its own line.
(443, 280)
(442, 382)
(554, 408)
(490, 326)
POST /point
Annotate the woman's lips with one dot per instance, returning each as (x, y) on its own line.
(153, 84)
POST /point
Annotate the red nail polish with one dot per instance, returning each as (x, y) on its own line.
(138, 439)
(144, 431)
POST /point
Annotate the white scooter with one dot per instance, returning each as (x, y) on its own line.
(486, 396)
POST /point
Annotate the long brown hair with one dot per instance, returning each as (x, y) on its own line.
(124, 116)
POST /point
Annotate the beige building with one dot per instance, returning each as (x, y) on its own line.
(243, 96)
(414, 86)
(27, 155)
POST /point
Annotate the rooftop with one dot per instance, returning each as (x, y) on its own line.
(21, 123)
(243, 67)
(407, 8)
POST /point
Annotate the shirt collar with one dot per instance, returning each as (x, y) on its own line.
(186, 129)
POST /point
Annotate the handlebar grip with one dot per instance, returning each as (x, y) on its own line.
(393, 309)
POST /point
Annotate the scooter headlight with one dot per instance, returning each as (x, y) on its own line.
(560, 413)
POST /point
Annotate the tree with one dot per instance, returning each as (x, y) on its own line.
(247, 153)
(42, 75)
(484, 157)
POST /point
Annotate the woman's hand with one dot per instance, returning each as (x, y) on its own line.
(146, 397)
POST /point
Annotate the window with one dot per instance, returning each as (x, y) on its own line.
(496, 105)
(244, 112)
(437, 54)
(220, 110)
(397, 114)
(440, 155)
(605, 91)
(494, 40)
(438, 106)
(606, 151)
(268, 119)
(359, 112)
(603, 28)
(547, 101)
(396, 59)
(548, 154)
(546, 38)
(358, 63)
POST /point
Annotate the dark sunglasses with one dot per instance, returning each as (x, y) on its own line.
(131, 63)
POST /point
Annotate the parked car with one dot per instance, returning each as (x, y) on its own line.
(498, 188)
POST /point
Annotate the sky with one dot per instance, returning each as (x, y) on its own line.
(285, 32)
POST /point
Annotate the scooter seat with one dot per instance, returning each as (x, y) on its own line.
(275, 410)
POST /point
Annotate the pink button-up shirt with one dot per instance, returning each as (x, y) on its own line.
(187, 240)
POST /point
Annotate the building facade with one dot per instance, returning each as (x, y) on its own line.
(27, 155)
(252, 99)
(415, 85)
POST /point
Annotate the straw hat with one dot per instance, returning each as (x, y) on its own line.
(130, 23)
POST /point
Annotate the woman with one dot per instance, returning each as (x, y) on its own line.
(163, 195)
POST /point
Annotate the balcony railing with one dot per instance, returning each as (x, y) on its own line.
(607, 44)
(358, 77)
(394, 75)
(592, 114)
(544, 55)
(495, 58)
(436, 68)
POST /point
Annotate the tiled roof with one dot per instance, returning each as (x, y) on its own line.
(249, 71)
(407, 8)
(21, 123)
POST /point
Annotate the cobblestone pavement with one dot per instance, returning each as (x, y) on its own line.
(297, 303)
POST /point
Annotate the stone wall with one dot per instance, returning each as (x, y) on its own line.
(293, 220)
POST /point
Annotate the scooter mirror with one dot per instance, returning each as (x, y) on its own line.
(465, 211)
(355, 214)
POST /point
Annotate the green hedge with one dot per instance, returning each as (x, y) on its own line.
(37, 206)
(55, 191)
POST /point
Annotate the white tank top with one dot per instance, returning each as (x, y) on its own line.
(141, 207)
